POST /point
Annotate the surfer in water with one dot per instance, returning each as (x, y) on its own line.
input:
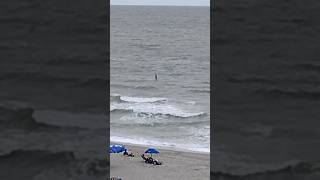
(156, 76)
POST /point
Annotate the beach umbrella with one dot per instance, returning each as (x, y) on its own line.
(152, 151)
(117, 148)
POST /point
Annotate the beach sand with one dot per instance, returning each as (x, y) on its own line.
(176, 165)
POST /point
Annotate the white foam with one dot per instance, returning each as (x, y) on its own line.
(165, 145)
(154, 109)
(142, 99)
(149, 105)
(199, 141)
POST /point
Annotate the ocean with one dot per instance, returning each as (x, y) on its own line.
(266, 90)
(172, 42)
(53, 67)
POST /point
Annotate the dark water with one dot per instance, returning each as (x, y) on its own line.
(173, 43)
(52, 83)
(266, 89)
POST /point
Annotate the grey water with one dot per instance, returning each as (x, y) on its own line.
(172, 42)
(266, 95)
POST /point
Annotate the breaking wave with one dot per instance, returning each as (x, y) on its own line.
(43, 163)
(118, 98)
(20, 119)
(303, 170)
(290, 93)
(132, 115)
(150, 114)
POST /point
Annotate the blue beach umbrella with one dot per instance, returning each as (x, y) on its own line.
(152, 151)
(117, 148)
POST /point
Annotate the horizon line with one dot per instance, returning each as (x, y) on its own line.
(159, 5)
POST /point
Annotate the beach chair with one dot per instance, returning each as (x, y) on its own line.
(156, 162)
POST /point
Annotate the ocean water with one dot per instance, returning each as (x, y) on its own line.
(266, 89)
(53, 75)
(173, 42)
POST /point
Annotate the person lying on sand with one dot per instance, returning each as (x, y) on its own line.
(150, 160)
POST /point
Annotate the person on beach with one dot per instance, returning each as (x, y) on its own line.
(150, 160)
(146, 160)
(125, 153)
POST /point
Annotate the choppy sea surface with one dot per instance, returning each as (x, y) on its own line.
(173, 42)
(266, 90)
(53, 80)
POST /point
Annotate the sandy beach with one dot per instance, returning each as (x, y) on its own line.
(176, 165)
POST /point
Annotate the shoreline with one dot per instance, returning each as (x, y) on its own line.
(176, 164)
(166, 148)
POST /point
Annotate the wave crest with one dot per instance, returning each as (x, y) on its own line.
(155, 115)
(119, 98)
(303, 170)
